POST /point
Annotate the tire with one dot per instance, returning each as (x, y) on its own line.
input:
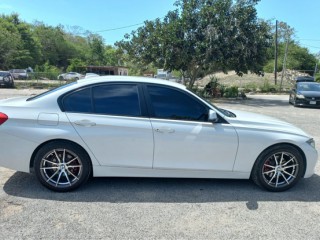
(62, 166)
(278, 168)
(61, 78)
(76, 78)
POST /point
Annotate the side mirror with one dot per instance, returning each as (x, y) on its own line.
(213, 117)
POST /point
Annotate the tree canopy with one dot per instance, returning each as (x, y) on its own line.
(196, 38)
(23, 45)
(202, 36)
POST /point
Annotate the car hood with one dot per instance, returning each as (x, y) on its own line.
(258, 121)
(309, 93)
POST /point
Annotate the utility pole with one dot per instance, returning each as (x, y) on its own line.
(284, 66)
(315, 71)
(276, 55)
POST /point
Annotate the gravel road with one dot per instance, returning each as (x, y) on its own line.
(141, 208)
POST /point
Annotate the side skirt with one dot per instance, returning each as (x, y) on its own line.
(104, 171)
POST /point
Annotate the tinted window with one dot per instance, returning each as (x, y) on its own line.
(79, 101)
(117, 99)
(173, 104)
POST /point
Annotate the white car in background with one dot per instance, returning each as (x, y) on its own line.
(70, 76)
(90, 75)
(141, 127)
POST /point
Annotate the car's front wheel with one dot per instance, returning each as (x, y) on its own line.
(62, 166)
(278, 168)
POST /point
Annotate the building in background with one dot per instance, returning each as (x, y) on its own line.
(105, 70)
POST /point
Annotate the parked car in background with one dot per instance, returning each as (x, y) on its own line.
(305, 94)
(6, 79)
(90, 75)
(70, 76)
(143, 127)
(304, 79)
(19, 73)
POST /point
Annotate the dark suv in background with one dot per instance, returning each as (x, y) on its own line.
(6, 79)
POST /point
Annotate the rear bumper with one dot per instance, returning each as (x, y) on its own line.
(18, 159)
(5, 83)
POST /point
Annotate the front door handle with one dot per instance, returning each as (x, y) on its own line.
(165, 130)
(85, 123)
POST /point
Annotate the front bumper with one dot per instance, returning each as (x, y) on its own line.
(311, 155)
(307, 102)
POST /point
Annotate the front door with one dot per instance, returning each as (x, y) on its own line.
(183, 137)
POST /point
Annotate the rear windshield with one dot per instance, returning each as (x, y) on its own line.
(51, 91)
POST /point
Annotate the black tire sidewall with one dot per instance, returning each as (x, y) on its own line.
(85, 159)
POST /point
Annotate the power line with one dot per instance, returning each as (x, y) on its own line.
(114, 29)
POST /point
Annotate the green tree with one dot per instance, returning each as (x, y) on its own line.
(54, 45)
(298, 57)
(200, 37)
(97, 49)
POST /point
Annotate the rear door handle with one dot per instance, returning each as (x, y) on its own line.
(85, 123)
(165, 130)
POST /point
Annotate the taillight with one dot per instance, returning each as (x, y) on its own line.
(3, 118)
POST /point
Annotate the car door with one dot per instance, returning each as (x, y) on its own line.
(183, 137)
(109, 118)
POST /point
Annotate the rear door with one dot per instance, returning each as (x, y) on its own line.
(110, 120)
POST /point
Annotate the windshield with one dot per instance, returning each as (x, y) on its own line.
(308, 87)
(50, 91)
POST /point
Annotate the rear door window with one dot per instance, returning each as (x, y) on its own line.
(117, 99)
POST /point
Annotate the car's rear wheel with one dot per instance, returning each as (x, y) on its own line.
(62, 166)
(278, 168)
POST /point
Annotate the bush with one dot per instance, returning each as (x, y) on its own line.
(199, 91)
(51, 71)
(214, 88)
(250, 87)
(231, 92)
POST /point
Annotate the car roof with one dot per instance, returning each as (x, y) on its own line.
(308, 83)
(304, 79)
(57, 92)
(106, 79)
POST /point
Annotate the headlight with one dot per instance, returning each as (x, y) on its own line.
(300, 96)
(312, 143)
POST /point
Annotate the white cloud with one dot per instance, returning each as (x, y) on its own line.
(5, 6)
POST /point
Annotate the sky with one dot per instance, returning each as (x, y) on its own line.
(112, 19)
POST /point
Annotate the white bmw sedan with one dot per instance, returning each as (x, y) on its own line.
(140, 127)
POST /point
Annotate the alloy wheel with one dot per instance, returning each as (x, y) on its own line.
(61, 168)
(280, 169)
